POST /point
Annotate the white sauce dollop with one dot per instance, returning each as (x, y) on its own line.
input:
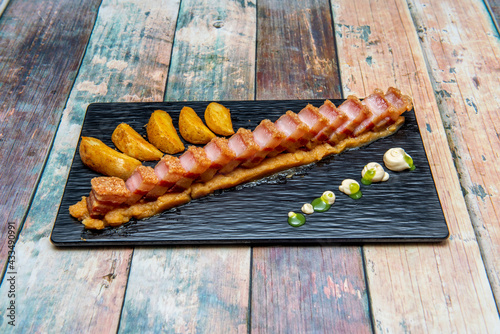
(380, 174)
(394, 159)
(345, 187)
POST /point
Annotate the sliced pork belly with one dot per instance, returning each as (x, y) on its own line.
(142, 180)
(335, 119)
(108, 192)
(267, 136)
(316, 122)
(293, 129)
(356, 112)
(219, 153)
(243, 145)
(380, 109)
(399, 101)
(168, 170)
(194, 161)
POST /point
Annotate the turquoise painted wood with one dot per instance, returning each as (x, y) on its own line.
(319, 289)
(38, 64)
(199, 289)
(82, 290)
(432, 51)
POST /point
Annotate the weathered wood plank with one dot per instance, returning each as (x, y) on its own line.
(494, 7)
(82, 290)
(296, 54)
(464, 65)
(3, 5)
(417, 288)
(203, 289)
(38, 63)
(303, 289)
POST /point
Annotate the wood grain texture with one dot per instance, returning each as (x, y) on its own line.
(309, 290)
(416, 288)
(204, 65)
(494, 7)
(82, 290)
(38, 63)
(465, 66)
(203, 289)
(296, 54)
(303, 289)
(3, 5)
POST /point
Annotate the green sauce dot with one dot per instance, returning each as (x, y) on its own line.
(354, 188)
(356, 195)
(297, 220)
(367, 178)
(319, 205)
(409, 161)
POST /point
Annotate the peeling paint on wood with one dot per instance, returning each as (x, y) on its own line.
(75, 290)
(318, 289)
(199, 289)
(426, 282)
(473, 127)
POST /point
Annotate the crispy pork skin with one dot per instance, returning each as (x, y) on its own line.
(168, 171)
(219, 153)
(267, 136)
(243, 146)
(142, 180)
(380, 109)
(335, 119)
(107, 193)
(195, 162)
(356, 112)
(293, 128)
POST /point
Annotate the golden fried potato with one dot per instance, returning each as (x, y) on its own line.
(192, 127)
(162, 133)
(218, 119)
(131, 143)
(103, 159)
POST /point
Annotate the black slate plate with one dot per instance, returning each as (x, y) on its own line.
(404, 209)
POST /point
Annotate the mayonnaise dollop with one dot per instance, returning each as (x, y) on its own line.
(373, 172)
(350, 187)
(307, 208)
(397, 160)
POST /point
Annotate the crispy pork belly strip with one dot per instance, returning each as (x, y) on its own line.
(293, 128)
(219, 153)
(315, 121)
(267, 136)
(399, 101)
(356, 112)
(107, 193)
(287, 160)
(142, 180)
(121, 215)
(269, 166)
(243, 145)
(195, 162)
(168, 171)
(380, 109)
(335, 119)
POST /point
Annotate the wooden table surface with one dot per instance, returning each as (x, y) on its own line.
(56, 57)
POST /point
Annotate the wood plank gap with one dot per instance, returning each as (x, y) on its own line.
(98, 275)
(492, 14)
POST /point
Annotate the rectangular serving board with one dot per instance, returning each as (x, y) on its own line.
(406, 208)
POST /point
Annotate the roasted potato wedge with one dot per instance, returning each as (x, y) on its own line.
(127, 140)
(162, 133)
(218, 119)
(192, 128)
(103, 159)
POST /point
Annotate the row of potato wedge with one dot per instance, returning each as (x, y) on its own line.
(162, 137)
